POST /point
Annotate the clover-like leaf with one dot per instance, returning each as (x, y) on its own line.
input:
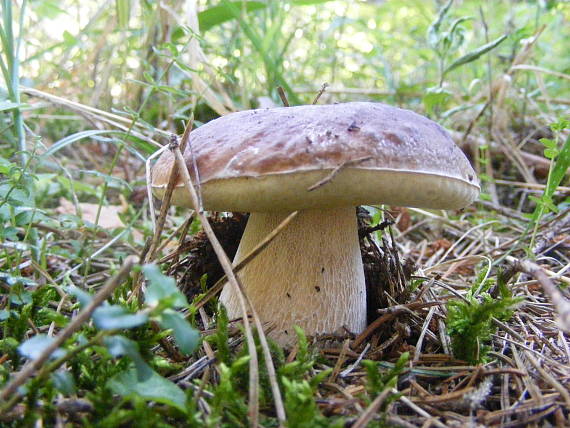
(187, 337)
(162, 288)
(111, 317)
(33, 347)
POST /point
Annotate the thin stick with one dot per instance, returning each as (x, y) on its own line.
(549, 378)
(226, 266)
(172, 182)
(181, 230)
(283, 96)
(534, 186)
(385, 318)
(371, 410)
(71, 328)
(558, 300)
(335, 171)
(149, 251)
(101, 115)
(541, 70)
(425, 327)
(321, 92)
(421, 411)
(233, 280)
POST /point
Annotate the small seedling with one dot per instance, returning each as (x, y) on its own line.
(470, 321)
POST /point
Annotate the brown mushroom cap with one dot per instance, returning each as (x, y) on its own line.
(267, 159)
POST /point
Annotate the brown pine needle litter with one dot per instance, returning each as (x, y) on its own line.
(524, 376)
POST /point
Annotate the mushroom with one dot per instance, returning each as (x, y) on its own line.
(322, 160)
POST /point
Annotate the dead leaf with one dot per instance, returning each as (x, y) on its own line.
(108, 219)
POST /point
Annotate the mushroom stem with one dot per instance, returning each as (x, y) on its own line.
(311, 275)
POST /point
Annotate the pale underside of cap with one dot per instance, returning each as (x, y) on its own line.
(360, 153)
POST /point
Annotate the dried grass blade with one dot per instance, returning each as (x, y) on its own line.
(233, 280)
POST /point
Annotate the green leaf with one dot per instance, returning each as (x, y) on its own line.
(50, 315)
(111, 317)
(9, 105)
(561, 166)
(112, 181)
(119, 346)
(148, 384)
(217, 15)
(22, 298)
(123, 8)
(548, 143)
(162, 288)
(63, 382)
(433, 30)
(535, 199)
(83, 297)
(308, 2)
(69, 39)
(544, 202)
(300, 405)
(187, 337)
(64, 142)
(453, 38)
(76, 186)
(561, 125)
(11, 280)
(48, 8)
(548, 203)
(470, 325)
(435, 97)
(33, 347)
(550, 153)
(473, 55)
(455, 25)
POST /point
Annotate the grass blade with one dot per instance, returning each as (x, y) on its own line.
(64, 142)
(217, 15)
(257, 42)
(473, 55)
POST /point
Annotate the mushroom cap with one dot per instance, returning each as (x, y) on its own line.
(360, 153)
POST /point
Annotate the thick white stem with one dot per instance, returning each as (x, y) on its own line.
(311, 275)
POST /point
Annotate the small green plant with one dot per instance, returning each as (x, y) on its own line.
(222, 338)
(128, 377)
(377, 382)
(470, 322)
(304, 362)
(301, 408)
(229, 401)
(10, 66)
(299, 387)
(559, 156)
(445, 42)
(17, 205)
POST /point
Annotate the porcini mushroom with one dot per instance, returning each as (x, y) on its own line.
(322, 160)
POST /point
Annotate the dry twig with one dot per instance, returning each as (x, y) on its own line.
(234, 282)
